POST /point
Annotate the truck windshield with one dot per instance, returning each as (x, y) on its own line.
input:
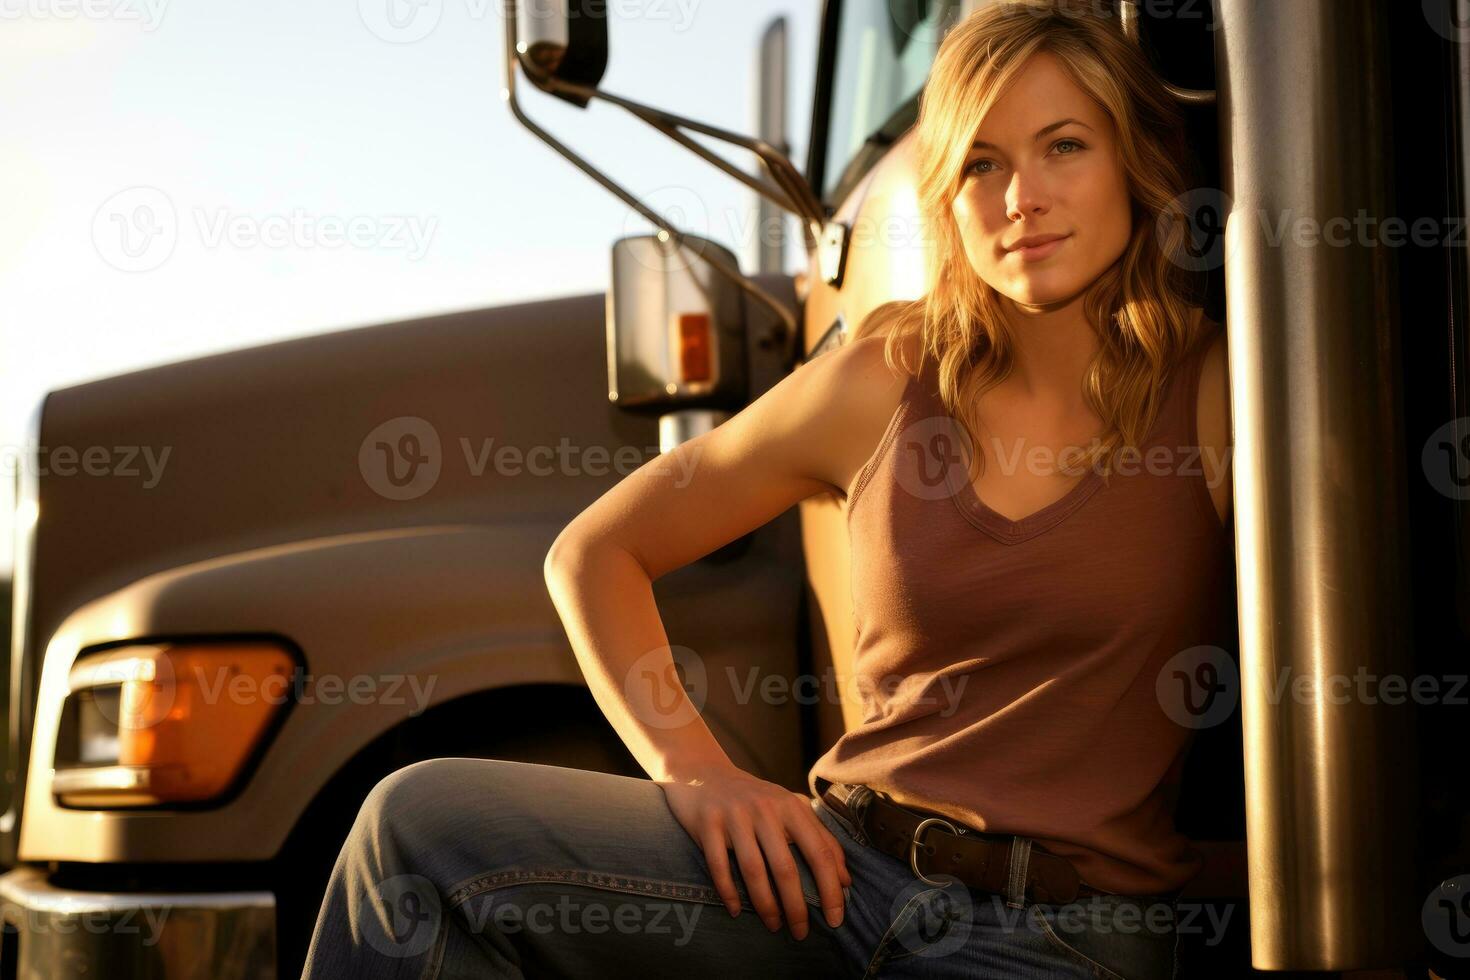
(883, 54)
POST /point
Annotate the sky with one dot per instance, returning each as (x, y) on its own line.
(187, 178)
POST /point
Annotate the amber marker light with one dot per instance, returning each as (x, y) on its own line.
(161, 723)
(694, 342)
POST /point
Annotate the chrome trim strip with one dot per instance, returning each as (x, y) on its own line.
(97, 778)
(27, 887)
(122, 935)
(20, 676)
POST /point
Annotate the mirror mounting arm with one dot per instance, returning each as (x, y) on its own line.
(791, 191)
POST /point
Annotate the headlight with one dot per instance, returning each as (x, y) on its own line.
(159, 723)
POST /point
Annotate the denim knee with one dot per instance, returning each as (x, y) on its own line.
(396, 793)
(399, 812)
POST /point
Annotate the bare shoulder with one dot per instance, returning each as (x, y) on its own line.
(1212, 415)
(808, 434)
(862, 393)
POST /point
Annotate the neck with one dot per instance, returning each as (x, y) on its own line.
(1053, 346)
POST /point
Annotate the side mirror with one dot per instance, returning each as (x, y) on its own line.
(564, 41)
(675, 327)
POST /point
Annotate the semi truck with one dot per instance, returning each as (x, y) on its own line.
(340, 570)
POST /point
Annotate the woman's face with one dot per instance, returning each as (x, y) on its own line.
(1035, 178)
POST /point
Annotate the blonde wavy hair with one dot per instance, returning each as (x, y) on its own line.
(1141, 306)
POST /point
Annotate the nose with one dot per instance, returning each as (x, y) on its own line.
(1026, 195)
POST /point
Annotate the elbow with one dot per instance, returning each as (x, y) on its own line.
(576, 557)
(563, 557)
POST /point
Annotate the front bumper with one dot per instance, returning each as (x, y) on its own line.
(63, 933)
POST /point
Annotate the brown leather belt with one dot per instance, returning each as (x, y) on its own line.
(933, 844)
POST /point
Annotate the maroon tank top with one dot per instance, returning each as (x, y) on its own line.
(1009, 671)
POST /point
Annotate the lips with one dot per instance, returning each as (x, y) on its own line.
(1033, 241)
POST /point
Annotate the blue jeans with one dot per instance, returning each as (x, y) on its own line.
(459, 868)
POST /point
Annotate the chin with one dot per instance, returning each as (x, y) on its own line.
(1041, 290)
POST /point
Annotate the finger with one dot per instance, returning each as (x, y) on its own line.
(775, 840)
(833, 844)
(817, 852)
(715, 855)
(753, 870)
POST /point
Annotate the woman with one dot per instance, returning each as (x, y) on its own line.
(1024, 615)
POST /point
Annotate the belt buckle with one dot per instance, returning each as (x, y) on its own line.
(914, 850)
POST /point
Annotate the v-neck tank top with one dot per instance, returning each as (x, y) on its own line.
(1021, 675)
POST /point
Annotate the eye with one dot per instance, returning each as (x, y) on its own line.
(970, 167)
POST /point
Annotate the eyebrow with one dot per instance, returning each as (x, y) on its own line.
(982, 145)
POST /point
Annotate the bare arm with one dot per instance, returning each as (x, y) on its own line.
(804, 436)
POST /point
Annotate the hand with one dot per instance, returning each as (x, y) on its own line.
(758, 819)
